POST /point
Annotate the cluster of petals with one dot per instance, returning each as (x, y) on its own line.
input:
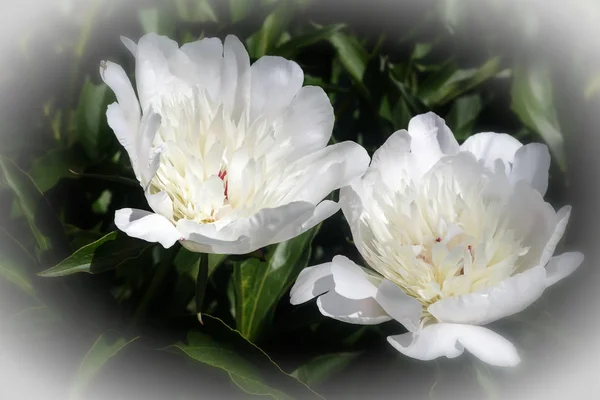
(456, 237)
(231, 156)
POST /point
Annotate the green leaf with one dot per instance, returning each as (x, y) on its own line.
(99, 354)
(290, 48)
(55, 165)
(187, 262)
(486, 381)
(270, 34)
(195, 11)
(15, 261)
(421, 50)
(463, 114)
(81, 237)
(449, 82)
(401, 114)
(259, 285)
(102, 203)
(352, 55)
(90, 115)
(533, 101)
(249, 367)
(109, 178)
(157, 20)
(104, 254)
(323, 367)
(240, 9)
(201, 283)
(45, 225)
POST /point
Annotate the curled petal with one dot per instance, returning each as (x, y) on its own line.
(115, 77)
(352, 281)
(430, 140)
(335, 166)
(561, 266)
(307, 135)
(532, 163)
(450, 340)
(488, 147)
(562, 218)
(509, 297)
(399, 305)
(275, 82)
(361, 312)
(147, 226)
(312, 282)
(160, 203)
(245, 235)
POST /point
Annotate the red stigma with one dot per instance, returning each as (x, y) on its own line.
(222, 175)
(438, 240)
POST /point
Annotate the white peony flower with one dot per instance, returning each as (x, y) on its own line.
(232, 157)
(459, 236)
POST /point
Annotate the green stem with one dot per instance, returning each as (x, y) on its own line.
(159, 277)
(201, 282)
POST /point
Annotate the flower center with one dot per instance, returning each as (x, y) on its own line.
(214, 165)
(438, 240)
(198, 139)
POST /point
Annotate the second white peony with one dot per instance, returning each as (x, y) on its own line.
(456, 236)
(232, 157)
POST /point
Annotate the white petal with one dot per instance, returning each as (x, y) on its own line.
(130, 44)
(235, 77)
(351, 204)
(561, 266)
(394, 162)
(147, 226)
(153, 73)
(361, 312)
(534, 220)
(199, 243)
(320, 213)
(308, 122)
(351, 281)
(125, 132)
(509, 297)
(147, 157)
(116, 78)
(450, 340)
(245, 235)
(489, 147)
(206, 55)
(532, 163)
(430, 140)
(326, 170)
(397, 145)
(399, 305)
(562, 216)
(160, 203)
(275, 82)
(312, 282)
